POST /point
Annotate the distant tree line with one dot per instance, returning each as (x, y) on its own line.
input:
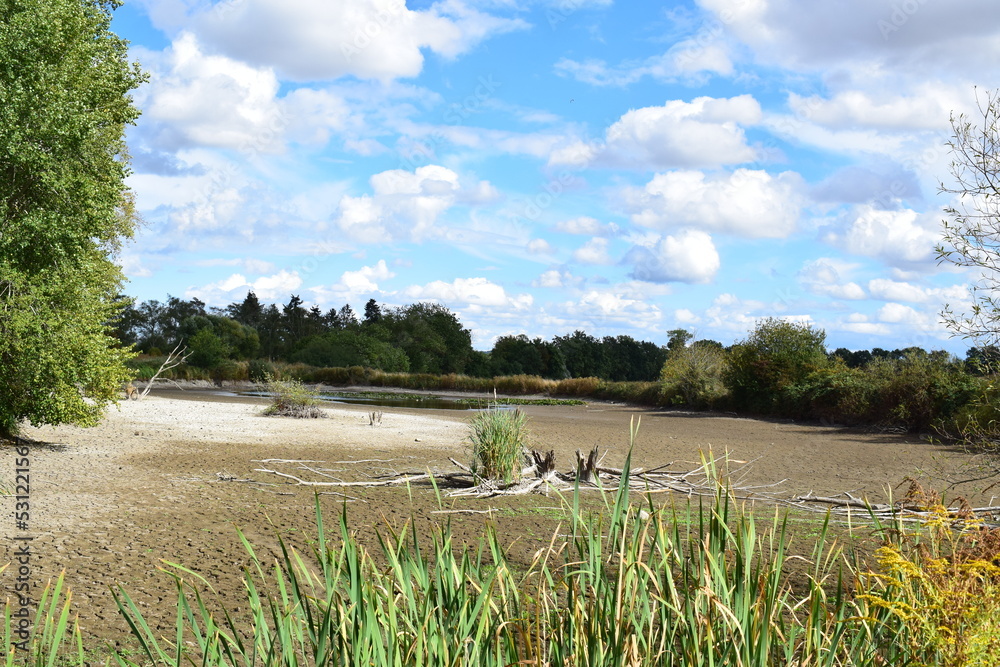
(426, 338)
(418, 338)
(429, 338)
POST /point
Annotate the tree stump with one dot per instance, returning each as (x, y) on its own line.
(586, 468)
(544, 464)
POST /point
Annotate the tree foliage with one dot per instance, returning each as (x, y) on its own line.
(777, 355)
(520, 355)
(64, 208)
(692, 375)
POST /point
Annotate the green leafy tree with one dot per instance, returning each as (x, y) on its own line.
(65, 83)
(678, 339)
(775, 356)
(294, 322)
(853, 359)
(173, 314)
(584, 355)
(270, 331)
(248, 312)
(630, 360)
(432, 337)
(479, 365)
(351, 348)
(346, 317)
(239, 340)
(335, 349)
(517, 355)
(207, 349)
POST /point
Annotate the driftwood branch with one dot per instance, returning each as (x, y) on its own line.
(539, 476)
(176, 357)
(988, 516)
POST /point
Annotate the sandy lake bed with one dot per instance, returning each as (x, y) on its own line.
(158, 480)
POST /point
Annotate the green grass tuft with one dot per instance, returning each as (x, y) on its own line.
(499, 439)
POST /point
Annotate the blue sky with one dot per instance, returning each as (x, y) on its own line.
(544, 166)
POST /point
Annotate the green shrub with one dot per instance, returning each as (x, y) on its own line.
(837, 394)
(977, 424)
(228, 370)
(776, 355)
(499, 439)
(692, 376)
(290, 398)
(918, 391)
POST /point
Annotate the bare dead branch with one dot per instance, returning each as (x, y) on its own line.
(176, 357)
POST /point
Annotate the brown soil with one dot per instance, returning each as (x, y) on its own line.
(108, 503)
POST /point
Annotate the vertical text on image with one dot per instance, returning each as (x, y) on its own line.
(22, 614)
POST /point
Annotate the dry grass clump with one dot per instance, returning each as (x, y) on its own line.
(577, 387)
(290, 398)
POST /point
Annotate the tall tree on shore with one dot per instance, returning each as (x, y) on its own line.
(248, 312)
(65, 83)
(373, 313)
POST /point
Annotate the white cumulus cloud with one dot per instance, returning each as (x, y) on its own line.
(689, 256)
(828, 277)
(927, 109)
(610, 310)
(594, 251)
(310, 40)
(363, 280)
(706, 132)
(897, 237)
(895, 290)
(748, 203)
(199, 99)
(897, 313)
(235, 287)
(404, 205)
(470, 292)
